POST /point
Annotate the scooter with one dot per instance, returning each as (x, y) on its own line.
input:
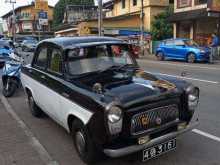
(11, 77)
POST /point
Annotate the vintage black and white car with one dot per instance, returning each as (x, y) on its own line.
(94, 88)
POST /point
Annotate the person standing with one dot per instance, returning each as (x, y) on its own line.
(214, 47)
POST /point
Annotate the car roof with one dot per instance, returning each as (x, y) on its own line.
(68, 42)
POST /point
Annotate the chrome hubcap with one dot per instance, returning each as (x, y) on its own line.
(191, 58)
(160, 56)
(80, 142)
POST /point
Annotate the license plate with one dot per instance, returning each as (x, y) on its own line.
(159, 149)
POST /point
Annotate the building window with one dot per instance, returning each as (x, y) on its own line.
(134, 2)
(201, 2)
(123, 4)
(184, 3)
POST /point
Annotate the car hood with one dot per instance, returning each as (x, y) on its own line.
(138, 86)
(206, 49)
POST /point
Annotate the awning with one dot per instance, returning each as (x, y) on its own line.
(124, 32)
(188, 15)
(66, 30)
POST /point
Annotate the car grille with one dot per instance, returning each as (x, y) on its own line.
(153, 118)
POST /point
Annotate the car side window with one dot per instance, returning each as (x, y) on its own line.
(169, 42)
(179, 43)
(41, 61)
(55, 64)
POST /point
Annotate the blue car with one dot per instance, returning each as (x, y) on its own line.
(182, 49)
(6, 50)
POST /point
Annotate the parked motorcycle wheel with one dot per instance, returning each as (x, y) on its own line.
(9, 87)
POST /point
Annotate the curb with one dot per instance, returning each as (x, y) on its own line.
(33, 141)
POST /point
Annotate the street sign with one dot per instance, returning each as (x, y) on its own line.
(43, 22)
(43, 18)
(42, 15)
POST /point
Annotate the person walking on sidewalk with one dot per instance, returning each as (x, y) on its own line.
(214, 47)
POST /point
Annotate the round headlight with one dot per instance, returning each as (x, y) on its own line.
(193, 98)
(114, 114)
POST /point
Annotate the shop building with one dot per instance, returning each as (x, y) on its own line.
(27, 21)
(120, 17)
(196, 19)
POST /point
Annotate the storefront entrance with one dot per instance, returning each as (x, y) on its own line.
(183, 30)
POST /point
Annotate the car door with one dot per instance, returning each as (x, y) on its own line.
(55, 83)
(168, 48)
(180, 49)
(38, 73)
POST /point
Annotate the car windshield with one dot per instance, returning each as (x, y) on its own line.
(98, 58)
(191, 43)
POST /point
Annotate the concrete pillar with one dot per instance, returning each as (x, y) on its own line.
(174, 30)
(193, 3)
(191, 31)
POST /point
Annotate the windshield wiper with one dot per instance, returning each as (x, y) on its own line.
(113, 67)
(117, 67)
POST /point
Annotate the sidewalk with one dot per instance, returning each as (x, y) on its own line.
(15, 146)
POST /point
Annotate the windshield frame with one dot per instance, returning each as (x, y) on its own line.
(131, 56)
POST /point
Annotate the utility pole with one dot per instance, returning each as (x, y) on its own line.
(142, 28)
(100, 20)
(13, 18)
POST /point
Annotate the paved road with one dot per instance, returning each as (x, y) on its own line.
(199, 147)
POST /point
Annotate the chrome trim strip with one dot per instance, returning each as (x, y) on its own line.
(134, 148)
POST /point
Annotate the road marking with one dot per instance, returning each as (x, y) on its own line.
(44, 155)
(182, 65)
(213, 137)
(189, 78)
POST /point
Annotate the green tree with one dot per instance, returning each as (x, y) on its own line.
(59, 9)
(161, 27)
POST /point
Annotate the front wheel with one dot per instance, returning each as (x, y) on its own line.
(35, 110)
(160, 56)
(191, 58)
(84, 145)
(9, 87)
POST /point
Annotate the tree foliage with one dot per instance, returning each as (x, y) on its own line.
(59, 9)
(161, 28)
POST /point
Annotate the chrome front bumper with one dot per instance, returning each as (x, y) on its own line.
(135, 148)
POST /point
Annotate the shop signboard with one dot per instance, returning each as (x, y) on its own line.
(27, 26)
(41, 5)
(214, 5)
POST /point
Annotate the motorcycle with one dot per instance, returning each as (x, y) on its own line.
(11, 76)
